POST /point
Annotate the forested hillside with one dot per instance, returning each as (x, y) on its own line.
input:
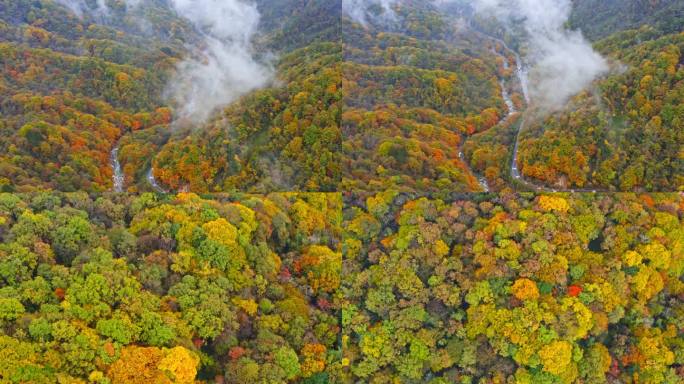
(172, 289)
(284, 137)
(419, 96)
(516, 288)
(280, 138)
(75, 87)
(625, 134)
(601, 18)
(72, 87)
(342, 191)
(415, 88)
(622, 132)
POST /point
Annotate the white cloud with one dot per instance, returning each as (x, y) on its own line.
(563, 62)
(224, 68)
(358, 10)
(79, 7)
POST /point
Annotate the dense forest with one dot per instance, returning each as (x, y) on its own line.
(342, 191)
(413, 98)
(413, 92)
(622, 133)
(625, 134)
(600, 18)
(281, 138)
(169, 289)
(285, 137)
(73, 88)
(525, 288)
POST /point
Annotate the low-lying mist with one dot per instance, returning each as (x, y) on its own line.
(562, 61)
(220, 68)
(99, 7)
(79, 7)
(359, 10)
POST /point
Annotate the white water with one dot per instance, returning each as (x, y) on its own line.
(117, 175)
(522, 78)
(153, 182)
(118, 178)
(481, 179)
(483, 183)
(521, 73)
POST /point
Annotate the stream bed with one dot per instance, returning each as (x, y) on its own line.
(118, 178)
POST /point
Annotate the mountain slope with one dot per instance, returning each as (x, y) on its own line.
(415, 87)
(93, 83)
(71, 87)
(625, 134)
(600, 18)
(283, 137)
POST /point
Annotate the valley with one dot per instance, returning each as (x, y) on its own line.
(342, 191)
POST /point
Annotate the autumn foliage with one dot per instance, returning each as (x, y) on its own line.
(169, 288)
(513, 288)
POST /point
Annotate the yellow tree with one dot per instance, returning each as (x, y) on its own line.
(525, 289)
(142, 365)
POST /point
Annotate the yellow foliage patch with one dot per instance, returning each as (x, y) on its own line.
(556, 357)
(249, 306)
(631, 258)
(553, 203)
(180, 365)
(525, 289)
(441, 248)
(221, 230)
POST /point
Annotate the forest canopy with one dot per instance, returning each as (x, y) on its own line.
(528, 288)
(169, 289)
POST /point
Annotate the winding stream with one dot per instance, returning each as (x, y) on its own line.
(522, 77)
(153, 182)
(118, 178)
(521, 73)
